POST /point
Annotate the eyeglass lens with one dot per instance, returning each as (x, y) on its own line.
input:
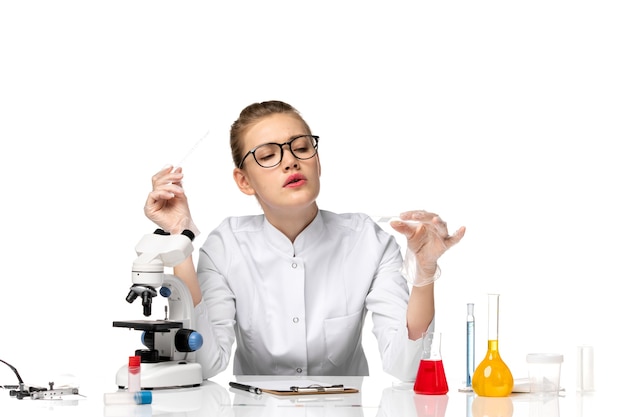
(270, 154)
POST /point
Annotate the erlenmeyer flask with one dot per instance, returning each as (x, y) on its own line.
(492, 378)
(431, 378)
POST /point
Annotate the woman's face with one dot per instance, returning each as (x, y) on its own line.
(291, 184)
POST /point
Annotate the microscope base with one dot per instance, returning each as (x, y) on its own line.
(170, 374)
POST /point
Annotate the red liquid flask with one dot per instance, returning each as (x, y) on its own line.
(431, 377)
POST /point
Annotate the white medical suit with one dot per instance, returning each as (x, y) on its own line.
(299, 308)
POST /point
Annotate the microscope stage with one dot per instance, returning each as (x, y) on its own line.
(149, 325)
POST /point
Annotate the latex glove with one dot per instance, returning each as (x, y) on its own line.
(167, 204)
(426, 242)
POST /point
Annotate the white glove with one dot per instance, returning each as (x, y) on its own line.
(410, 271)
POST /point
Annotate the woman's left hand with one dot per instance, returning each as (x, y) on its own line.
(426, 241)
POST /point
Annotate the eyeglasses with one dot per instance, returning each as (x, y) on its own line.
(269, 155)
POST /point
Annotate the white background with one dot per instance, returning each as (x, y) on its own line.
(505, 118)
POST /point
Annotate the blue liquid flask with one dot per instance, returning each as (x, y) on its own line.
(469, 344)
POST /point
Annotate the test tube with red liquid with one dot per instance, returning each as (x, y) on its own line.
(134, 373)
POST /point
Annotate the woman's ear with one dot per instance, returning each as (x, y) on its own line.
(241, 179)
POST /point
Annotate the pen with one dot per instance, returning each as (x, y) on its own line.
(244, 387)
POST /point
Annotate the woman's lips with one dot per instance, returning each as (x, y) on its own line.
(294, 180)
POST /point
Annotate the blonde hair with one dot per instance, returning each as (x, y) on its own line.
(251, 115)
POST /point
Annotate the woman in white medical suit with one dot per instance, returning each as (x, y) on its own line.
(292, 286)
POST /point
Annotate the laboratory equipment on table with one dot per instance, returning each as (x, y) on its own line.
(128, 398)
(492, 377)
(584, 368)
(22, 390)
(134, 373)
(469, 344)
(171, 344)
(431, 377)
(544, 372)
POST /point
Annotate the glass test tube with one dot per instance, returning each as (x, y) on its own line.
(470, 344)
(128, 398)
(134, 373)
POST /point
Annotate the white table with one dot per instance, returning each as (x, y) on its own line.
(379, 396)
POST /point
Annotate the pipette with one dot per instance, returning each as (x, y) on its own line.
(389, 219)
(192, 150)
(470, 344)
(469, 349)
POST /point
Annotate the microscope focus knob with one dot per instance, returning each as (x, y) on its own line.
(187, 340)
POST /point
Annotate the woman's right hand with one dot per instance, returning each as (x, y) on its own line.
(167, 204)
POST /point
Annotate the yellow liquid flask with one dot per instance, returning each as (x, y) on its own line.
(492, 378)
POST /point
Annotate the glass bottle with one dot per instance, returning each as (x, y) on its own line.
(431, 377)
(492, 378)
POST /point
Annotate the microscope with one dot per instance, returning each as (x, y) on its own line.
(169, 357)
